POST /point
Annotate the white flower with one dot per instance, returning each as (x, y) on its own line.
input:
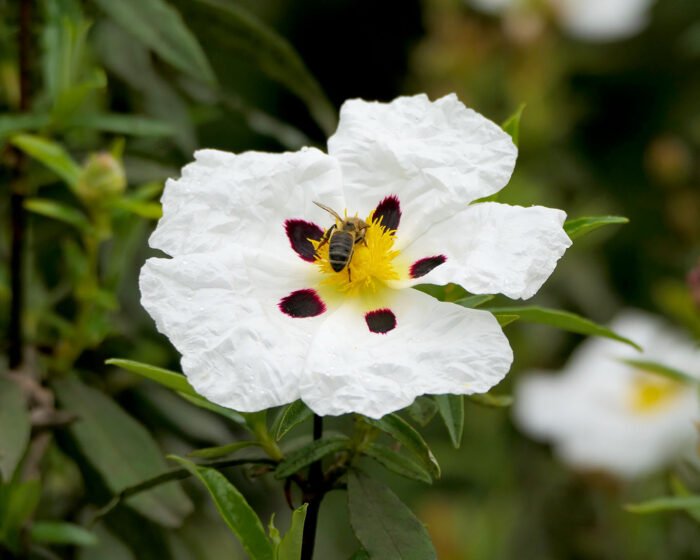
(601, 413)
(593, 20)
(251, 301)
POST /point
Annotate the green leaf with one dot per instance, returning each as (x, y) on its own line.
(679, 489)
(505, 319)
(122, 451)
(474, 301)
(159, 26)
(562, 320)
(71, 100)
(61, 533)
(14, 427)
(670, 503)
(240, 31)
(143, 208)
(59, 211)
(403, 465)
(49, 153)
(313, 451)
(132, 125)
(12, 124)
(512, 124)
(385, 527)
(18, 501)
(490, 400)
(177, 382)
(234, 510)
(581, 226)
(292, 415)
(222, 450)
(167, 378)
(422, 410)
(451, 408)
(410, 439)
(662, 370)
(290, 546)
(360, 555)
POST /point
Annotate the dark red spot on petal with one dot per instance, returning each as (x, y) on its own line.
(389, 210)
(302, 303)
(381, 320)
(299, 232)
(423, 266)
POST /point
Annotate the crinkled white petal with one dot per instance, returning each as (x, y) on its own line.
(436, 348)
(586, 411)
(220, 311)
(494, 248)
(601, 20)
(224, 199)
(435, 156)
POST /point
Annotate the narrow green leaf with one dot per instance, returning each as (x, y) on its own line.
(49, 153)
(410, 439)
(385, 527)
(239, 31)
(505, 319)
(451, 408)
(234, 510)
(670, 503)
(292, 415)
(14, 427)
(121, 450)
(313, 451)
(159, 26)
(167, 378)
(201, 402)
(222, 450)
(61, 533)
(562, 320)
(360, 555)
(71, 100)
(680, 490)
(512, 124)
(59, 211)
(490, 400)
(579, 227)
(18, 501)
(290, 546)
(662, 370)
(474, 301)
(404, 465)
(132, 125)
(143, 208)
(422, 410)
(12, 124)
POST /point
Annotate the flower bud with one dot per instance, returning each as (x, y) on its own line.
(101, 179)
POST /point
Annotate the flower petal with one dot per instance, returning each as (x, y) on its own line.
(602, 20)
(435, 156)
(220, 310)
(492, 248)
(223, 199)
(436, 348)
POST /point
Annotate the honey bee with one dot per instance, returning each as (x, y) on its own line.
(342, 238)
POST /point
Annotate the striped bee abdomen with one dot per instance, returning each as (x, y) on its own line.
(340, 249)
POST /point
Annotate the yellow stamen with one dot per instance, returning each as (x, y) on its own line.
(371, 265)
(652, 392)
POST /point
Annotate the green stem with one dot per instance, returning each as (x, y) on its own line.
(314, 494)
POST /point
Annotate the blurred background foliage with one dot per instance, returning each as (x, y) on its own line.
(608, 128)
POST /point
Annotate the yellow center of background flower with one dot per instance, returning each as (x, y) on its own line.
(371, 264)
(651, 392)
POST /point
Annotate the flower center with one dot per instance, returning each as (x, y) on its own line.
(369, 253)
(651, 392)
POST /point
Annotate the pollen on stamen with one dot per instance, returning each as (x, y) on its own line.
(371, 265)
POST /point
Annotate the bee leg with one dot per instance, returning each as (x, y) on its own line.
(326, 237)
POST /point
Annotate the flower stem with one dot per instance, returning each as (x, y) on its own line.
(17, 190)
(313, 497)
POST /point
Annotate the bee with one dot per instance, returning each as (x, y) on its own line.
(342, 238)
